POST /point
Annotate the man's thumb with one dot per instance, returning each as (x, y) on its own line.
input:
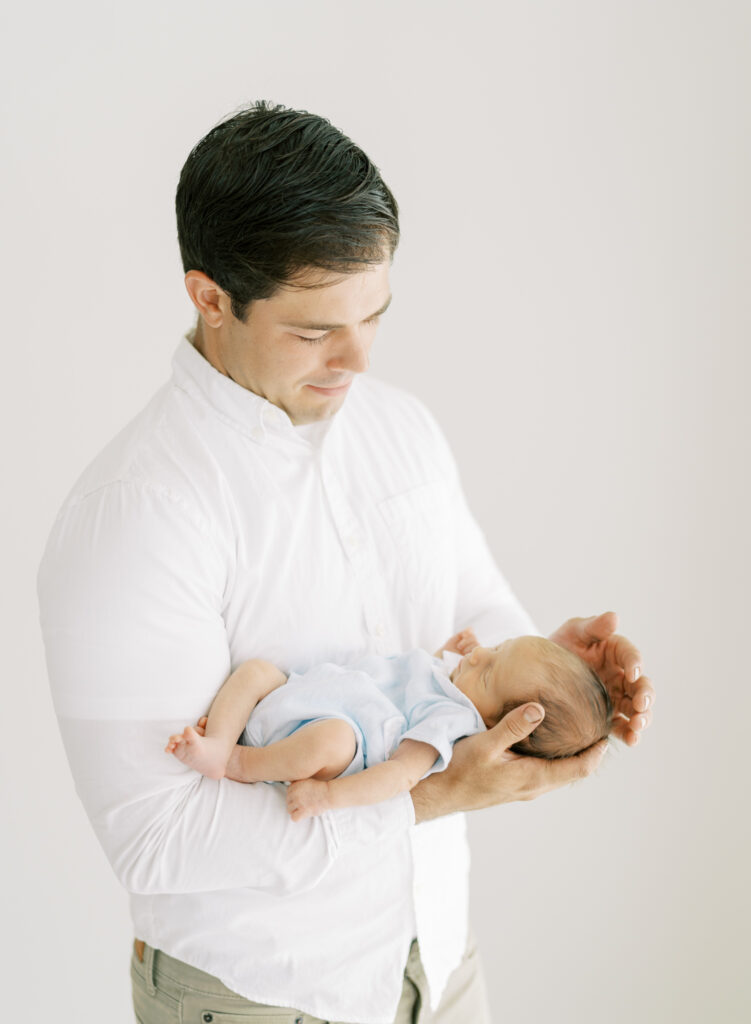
(518, 724)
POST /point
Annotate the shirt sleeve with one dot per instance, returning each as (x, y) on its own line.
(441, 722)
(131, 591)
(485, 601)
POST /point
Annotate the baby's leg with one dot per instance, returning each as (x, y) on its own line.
(320, 750)
(208, 752)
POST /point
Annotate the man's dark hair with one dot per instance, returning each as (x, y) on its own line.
(272, 191)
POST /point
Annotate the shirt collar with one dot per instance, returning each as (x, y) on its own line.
(252, 415)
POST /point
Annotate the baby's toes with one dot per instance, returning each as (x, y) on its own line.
(190, 734)
(293, 809)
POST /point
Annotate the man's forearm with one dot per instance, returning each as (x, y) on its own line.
(436, 796)
(477, 776)
(482, 773)
(165, 830)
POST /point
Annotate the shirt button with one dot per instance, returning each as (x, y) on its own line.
(380, 629)
(257, 433)
(208, 1017)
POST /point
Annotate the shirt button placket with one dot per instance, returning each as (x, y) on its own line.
(361, 556)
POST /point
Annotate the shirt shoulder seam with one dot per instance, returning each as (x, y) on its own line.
(155, 490)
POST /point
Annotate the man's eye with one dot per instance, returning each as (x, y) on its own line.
(312, 341)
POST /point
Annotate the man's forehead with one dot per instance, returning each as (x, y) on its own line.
(333, 301)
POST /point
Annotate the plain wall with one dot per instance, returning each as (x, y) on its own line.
(571, 300)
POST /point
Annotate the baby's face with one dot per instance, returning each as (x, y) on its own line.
(492, 676)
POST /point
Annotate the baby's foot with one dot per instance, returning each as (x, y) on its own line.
(307, 798)
(207, 755)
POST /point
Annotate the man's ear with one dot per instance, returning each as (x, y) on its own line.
(211, 301)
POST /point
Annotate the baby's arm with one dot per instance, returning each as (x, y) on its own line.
(209, 750)
(404, 769)
(460, 643)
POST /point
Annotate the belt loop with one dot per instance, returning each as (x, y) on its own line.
(148, 968)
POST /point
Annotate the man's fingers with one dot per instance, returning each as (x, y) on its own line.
(643, 694)
(627, 657)
(599, 627)
(582, 633)
(562, 772)
(636, 704)
(622, 730)
(571, 769)
(590, 759)
(517, 724)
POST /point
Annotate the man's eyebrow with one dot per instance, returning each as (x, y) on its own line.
(333, 327)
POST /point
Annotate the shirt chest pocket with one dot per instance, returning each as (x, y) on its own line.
(419, 524)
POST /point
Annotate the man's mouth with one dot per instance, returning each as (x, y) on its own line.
(336, 389)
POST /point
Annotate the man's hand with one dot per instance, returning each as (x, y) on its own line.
(483, 771)
(618, 664)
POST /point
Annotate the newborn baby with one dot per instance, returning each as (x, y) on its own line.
(359, 734)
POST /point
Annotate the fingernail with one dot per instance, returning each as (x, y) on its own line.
(636, 673)
(647, 701)
(532, 714)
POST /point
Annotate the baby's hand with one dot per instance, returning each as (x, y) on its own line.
(462, 643)
(307, 798)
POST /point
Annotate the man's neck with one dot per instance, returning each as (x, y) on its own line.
(197, 338)
(205, 342)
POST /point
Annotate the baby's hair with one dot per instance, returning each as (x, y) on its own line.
(578, 709)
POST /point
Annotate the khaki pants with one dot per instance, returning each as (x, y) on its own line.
(167, 991)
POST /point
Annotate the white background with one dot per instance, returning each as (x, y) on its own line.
(572, 301)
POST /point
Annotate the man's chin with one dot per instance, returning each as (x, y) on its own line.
(323, 407)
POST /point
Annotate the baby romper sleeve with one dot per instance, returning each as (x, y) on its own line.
(437, 712)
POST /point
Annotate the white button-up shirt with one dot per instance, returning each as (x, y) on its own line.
(211, 530)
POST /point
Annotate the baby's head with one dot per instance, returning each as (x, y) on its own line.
(578, 710)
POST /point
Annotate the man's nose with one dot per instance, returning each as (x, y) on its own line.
(350, 352)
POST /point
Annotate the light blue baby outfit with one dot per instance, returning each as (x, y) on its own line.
(385, 700)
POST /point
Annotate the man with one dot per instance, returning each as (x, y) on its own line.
(272, 502)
